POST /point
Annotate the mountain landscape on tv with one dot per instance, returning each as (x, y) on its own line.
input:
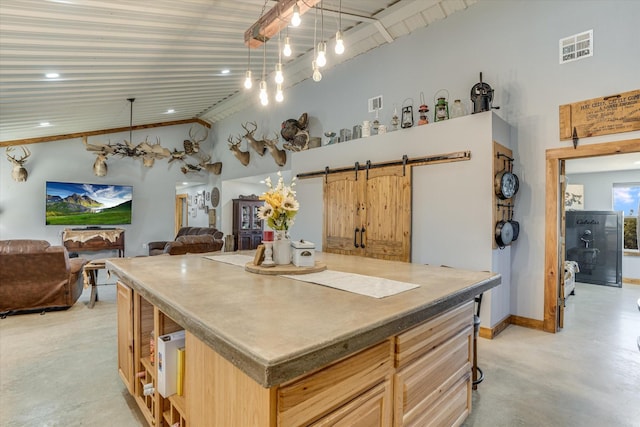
(91, 205)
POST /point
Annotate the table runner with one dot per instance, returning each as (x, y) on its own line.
(375, 287)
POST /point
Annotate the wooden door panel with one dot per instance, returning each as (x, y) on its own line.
(388, 225)
(342, 195)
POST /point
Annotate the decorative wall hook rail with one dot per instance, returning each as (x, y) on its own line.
(499, 155)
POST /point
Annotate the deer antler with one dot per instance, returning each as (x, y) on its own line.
(193, 136)
(250, 132)
(20, 161)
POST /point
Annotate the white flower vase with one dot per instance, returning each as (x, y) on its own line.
(281, 248)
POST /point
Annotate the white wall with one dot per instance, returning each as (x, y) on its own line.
(598, 196)
(515, 45)
(22, 204)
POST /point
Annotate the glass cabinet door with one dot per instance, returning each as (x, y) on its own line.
(245, 217)
(257, 222)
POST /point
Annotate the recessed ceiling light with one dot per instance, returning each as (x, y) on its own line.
(225, 71)
(636, 162)
(44, 124)
(171, 111)
(52, 75)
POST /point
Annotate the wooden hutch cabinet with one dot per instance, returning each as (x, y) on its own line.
(247, 227)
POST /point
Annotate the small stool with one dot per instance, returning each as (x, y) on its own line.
(90, 274)
(477, 374)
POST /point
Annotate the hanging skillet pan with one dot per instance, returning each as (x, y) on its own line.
(504, 232)
(515, 225)
(506, 183)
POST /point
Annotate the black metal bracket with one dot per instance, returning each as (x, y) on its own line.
(502, 205)
(326, 174)
(368, 165)
(574, 137)
(357, 166)
(505, 156)
(405, 158)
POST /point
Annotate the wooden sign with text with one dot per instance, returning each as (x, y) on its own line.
(601, 116)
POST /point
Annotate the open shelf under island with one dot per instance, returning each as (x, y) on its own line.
(272, 351)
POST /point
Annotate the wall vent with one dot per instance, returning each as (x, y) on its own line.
(578, 46)
(375, 103)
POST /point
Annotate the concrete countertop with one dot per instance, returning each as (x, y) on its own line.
(275, 329)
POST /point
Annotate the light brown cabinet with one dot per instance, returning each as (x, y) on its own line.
(418, 378)
(140, 323)
(369, 213)
(247, 227)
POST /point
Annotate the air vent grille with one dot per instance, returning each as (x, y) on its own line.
(578, 46)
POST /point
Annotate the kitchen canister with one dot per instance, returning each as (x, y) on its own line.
(458, 110)
(366, 128)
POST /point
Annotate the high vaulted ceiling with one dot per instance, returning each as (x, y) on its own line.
(166, 55)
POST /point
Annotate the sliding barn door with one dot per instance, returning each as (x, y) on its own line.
(369, 214)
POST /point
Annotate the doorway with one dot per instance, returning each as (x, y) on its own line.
(554, 207)
(182, 212)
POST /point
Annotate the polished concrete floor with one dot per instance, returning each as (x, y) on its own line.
(59, 369)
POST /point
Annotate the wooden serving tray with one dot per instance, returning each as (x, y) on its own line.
(284, 269)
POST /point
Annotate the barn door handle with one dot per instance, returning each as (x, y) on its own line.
(362, 230)
(355, 238)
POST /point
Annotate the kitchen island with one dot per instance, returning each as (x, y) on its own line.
(266, 350)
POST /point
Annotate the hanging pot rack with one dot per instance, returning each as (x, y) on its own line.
(418, 161)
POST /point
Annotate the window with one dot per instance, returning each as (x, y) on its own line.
(626, 198)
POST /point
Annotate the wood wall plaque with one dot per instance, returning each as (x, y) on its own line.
(601, 116)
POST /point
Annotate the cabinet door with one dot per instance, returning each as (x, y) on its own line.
(388, 213)
(124, 301)
(256, 223)
(343, 213)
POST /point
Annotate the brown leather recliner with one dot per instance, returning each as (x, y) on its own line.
(35, 276)
(190, 240)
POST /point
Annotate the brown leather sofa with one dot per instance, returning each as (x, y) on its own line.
(190, 240)
(35, 276)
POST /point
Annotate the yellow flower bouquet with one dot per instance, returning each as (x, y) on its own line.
(280, 204)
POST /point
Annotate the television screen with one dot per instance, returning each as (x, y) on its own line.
(71, 203)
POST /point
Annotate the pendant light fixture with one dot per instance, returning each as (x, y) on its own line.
(248, 79)
(131, 119)
(295, 19)
(317, 76)
(321, 59)
(287, 45)
(264, 97)
(339, 41)
(279, 77)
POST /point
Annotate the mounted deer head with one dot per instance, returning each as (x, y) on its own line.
(279, 155)
(257, 145)
(192, 145)
(243, 156)
(19, 173)
(151, 152)
(214, 168)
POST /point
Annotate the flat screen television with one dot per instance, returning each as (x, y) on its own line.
(70, 203)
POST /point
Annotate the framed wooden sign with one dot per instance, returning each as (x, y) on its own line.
(601, 116)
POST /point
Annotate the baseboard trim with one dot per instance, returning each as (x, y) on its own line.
(630, 281)
(491, 333)
(527, 322)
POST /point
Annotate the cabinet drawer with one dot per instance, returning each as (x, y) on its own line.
(308, 398)
(450, 410)
(415, 342)
(371, 409)
(421, 385)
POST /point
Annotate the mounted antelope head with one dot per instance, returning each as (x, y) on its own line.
(100, 165)
(192, 145)
(279, 155)
(243, 156)
(19, 173)
(258, 145)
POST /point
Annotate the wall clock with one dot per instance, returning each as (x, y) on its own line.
(215, 197)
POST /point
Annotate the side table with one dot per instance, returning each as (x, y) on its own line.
(90, 275)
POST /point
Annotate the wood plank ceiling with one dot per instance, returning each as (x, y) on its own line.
(166, 55)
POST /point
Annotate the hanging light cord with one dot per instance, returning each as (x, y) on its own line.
(131, 119)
